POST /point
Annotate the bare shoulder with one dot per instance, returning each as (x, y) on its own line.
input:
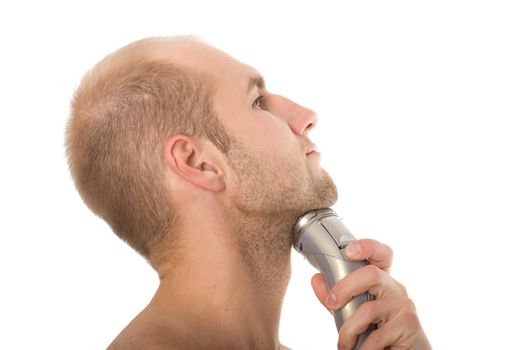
(145, 332)
(133, 336)
(126, 343)
(139, 342)
(142, 339)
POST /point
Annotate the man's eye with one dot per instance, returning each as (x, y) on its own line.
(259, 102)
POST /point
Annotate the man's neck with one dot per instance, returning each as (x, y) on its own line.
(218, 313)
(220, 295)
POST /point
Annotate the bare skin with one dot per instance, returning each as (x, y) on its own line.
(224, 284)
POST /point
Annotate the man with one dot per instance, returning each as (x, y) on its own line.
(187, 156)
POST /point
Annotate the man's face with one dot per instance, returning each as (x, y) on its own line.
(276, 168)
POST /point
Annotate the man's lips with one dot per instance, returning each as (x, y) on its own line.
(312, 149)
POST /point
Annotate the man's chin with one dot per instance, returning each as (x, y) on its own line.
(326, 199)
(326, 191)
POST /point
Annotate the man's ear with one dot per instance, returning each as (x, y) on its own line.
(187, 157)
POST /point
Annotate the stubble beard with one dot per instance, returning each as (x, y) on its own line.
(271, 194)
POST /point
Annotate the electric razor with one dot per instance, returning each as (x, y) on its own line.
(320, 236)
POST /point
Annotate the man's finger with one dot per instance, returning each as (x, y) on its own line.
(369, 279)
(376, 253)
(370, 312)
(403, 327)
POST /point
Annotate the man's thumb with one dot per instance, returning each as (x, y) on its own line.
(320, 289)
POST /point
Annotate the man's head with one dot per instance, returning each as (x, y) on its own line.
(162, 122)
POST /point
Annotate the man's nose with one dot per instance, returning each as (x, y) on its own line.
(301, 119)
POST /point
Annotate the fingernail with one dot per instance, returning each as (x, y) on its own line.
(331, 300)
(353, 250)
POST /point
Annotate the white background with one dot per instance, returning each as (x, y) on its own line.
(421, 107)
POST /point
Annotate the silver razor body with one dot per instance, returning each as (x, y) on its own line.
(320, 236)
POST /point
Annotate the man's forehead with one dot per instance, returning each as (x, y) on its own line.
(205, 58)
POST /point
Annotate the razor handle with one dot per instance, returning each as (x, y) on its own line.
(320, 236)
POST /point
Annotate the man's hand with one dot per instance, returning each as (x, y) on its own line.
(392, 310)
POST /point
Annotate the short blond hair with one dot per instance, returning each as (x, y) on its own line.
(122, 114)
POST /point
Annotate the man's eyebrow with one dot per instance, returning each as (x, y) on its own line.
(256, 81)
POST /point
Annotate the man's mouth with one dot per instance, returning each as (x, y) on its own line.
(312, 149)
